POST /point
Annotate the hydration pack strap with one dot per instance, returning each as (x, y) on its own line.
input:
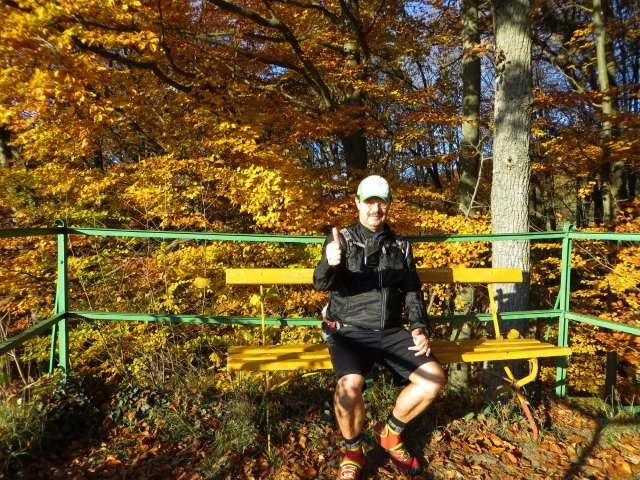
(401, 244)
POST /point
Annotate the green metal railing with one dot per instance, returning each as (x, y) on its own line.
(58, 322)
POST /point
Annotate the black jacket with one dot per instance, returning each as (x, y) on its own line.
(372, 297)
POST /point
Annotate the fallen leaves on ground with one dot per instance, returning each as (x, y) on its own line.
(573, 445)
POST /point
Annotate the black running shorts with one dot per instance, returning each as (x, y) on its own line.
(355, 350)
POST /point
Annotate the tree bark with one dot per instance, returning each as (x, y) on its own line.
(5, 150)
(511, 162)
(469, 144)
(354, 143)
(512, 120)
(611, 172)
(458, 373)
(354, 148)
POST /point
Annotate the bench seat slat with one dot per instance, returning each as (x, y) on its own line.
(316, 356)
(261, 365)
(471, 355)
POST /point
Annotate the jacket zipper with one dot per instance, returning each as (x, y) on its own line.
(383, 308)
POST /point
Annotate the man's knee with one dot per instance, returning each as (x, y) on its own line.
(349, 390)
(429, 376)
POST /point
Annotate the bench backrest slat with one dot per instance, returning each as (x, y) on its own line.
(304, 276)
(470, 275)
(269, 276)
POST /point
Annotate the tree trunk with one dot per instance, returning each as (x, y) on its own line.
(511, 163)
(354, 147)
(458, 373)
(611, 172)
(5, 150)
(549, 203)
(354, 142)
(469, 144)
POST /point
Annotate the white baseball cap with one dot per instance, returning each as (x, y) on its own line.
(374, 186)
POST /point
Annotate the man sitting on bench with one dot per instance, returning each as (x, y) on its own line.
(371, 275)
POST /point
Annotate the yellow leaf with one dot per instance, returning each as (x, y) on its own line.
(255, 299)
(271, 293)
(201, 282)
(513, 333)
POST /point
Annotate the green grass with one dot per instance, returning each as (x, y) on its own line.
(613, 418)
(22, 430)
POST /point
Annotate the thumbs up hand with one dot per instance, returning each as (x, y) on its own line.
(334, 249)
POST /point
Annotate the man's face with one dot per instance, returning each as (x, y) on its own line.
(373, 213)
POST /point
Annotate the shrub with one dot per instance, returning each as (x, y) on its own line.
(22, 429)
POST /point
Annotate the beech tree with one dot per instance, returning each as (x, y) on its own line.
(511, 139)
(458, 374)
(611, 171)
(470, 130)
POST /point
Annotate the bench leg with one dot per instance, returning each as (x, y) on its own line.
(265, 400)
(516, 386)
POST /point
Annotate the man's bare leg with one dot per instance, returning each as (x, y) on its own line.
(348, 405)
(349, 409)
(424, 385)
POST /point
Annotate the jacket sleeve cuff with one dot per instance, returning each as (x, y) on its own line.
(422, 325)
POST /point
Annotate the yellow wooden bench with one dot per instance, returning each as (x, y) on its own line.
(316, 356)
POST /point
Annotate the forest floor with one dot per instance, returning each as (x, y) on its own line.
(135, 433)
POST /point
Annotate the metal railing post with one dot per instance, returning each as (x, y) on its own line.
(563, 305)
(60, 328)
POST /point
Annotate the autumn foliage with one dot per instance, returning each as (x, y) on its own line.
(260, 117)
